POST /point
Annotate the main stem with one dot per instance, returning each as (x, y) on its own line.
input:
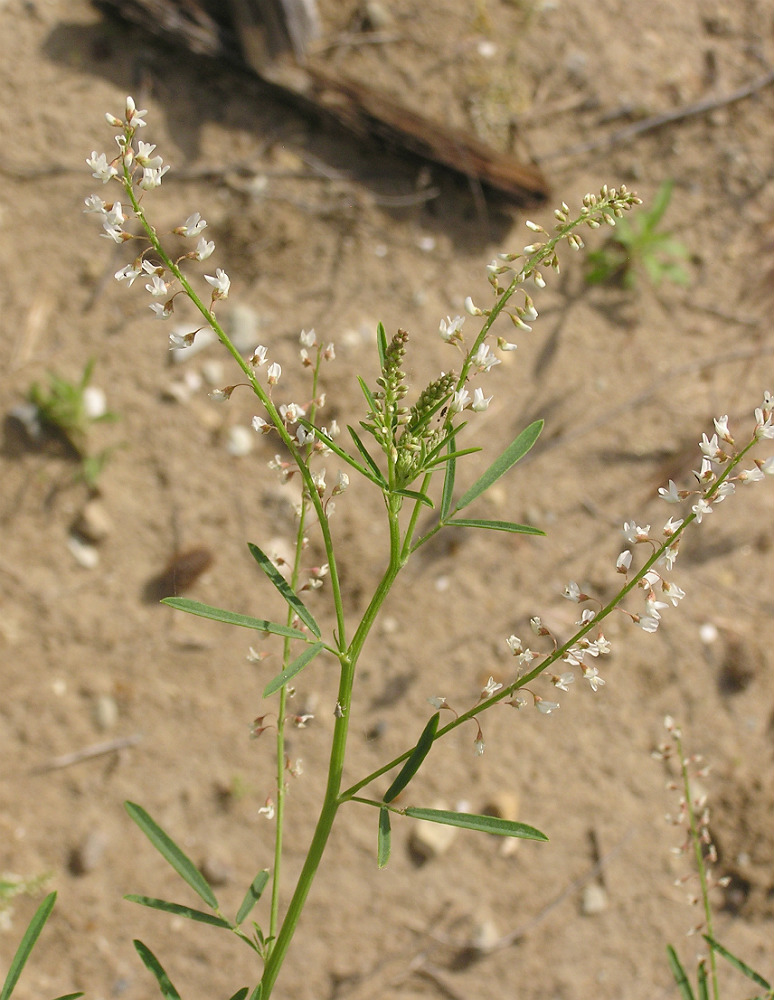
(332, 799)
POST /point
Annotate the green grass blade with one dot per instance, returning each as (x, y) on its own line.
(240, 994)
(679, 974)
(252, 895)
(283, 587)
(372, 405)
(70, 996)
(169, 850)
(737, 963)
(153, 965)
(702, 984)
(180, 910)
(293, 668)
(414, 762)
(383, 845)
(472, 821)
(26, 945)
(516, 450)
(511, 526)
(231, 618)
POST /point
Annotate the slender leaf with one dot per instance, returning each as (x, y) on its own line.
(231, 618)
(169, 850)
(472, 821)
(71, 996)
(516, 450)
(337, 450)
(180, 909)
(679, 974)
(369, 461)
(283, 587)
(414, 762)
(381, 344)
(252, 895)
(257, 992)
(415, 495)
(27, 943)
(440, 459)
(372, 404)
(241, 994)
(737, 962)
(511, 526)
(702, 984)
(383, 845)
(151, 963)
(293, 668)
(448, 481)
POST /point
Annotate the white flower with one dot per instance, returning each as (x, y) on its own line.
(546, 707)
(157, 287)
(751, 475)
(342, 482)
(128, 274)
(479, 401)
(450, 328)
(710, 447)
(763, 424)
(103, 170)
(94, 204)
(260, 425)
(592, 676)
(671, 526)
(144, 158)
(192, 226)
(273, 373)
(572, 592)
(291, 412)
(672, 591)
(308, 338)
(178, 341)
(151, 177)
(162, 310)
(133, 116)
(514, 644)
(471, 309)
(220, 282)
(624, 561)
(700, 508)
(563, 681)
(459, 401)
(634, 533)
(671, 495)
(491, 687)
(204, 249)
(259, 357)
(484, 358)
(721, 426)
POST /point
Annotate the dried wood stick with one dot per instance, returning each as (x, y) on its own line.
(96, 750)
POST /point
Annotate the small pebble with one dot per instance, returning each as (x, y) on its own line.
(593, 900)
(105, 712)
(83, 552)
(377, 16)
(88, 854)
(94, 402)
(239, 441)
(485, 935)
(93, 523)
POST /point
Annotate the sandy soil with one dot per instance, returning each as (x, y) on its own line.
(627, 381)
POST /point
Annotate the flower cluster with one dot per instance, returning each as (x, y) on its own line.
(137, 167)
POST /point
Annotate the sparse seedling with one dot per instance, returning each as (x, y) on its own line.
(637, 248)
(69, 410)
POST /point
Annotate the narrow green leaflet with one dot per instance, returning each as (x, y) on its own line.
(231, 618)
(180, 910)
(512, 526)
(368, 395)
(240, 994)
(169, 850)
(414, 762)
(282, 586)
(415, 495)
(701, 981)
(345, 456)
(381, 344)
(369, 461)
(31, 935)
(737, 962)
(383, 845)
(151, 963)
(472, 821)
(293, 668)
(71, 996)
(448, 482)
(257, 992)
(518, 449)
(252, 895)
(679, 974)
